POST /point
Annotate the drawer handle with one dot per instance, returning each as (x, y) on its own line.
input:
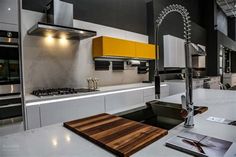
(10, 46)
(8, 106)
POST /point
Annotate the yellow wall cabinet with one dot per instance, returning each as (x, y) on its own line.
(118, 48)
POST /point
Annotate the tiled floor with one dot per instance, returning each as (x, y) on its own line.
(11, 126)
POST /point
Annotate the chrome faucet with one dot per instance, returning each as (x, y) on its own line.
(187, 103)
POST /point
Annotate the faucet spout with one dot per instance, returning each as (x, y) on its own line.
(187, 103)
(189, 88)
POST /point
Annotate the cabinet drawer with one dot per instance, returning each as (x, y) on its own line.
(146, 51)
(32, 117)
(59, 112)
(118, 101)
(165, 91)
(149, 98)
(113, 47)
(149, 92)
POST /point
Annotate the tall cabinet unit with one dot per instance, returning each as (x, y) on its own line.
(9, 15)
(174, 53)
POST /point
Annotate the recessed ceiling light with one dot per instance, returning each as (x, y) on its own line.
(9, 9)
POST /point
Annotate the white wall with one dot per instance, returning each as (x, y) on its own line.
(53, 64)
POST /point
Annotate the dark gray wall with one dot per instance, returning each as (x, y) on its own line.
(233, 63)
(232, 28)
(222, 22)
(124, 14)
(210, 14)
(216, 35)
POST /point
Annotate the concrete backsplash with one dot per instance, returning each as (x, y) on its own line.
(55, 63)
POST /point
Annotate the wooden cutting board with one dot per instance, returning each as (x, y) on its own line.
(121, 136)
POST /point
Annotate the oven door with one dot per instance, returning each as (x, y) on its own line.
(9, 64)
(10, 108)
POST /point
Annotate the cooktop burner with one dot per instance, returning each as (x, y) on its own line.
(60, 91)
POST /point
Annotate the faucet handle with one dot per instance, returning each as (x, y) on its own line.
(184, 111)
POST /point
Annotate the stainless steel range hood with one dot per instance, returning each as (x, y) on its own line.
(59, 23)
(197, 50)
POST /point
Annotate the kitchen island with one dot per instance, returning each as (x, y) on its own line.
(55, 140)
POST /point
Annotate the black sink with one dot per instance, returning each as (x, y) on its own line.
(159, 114)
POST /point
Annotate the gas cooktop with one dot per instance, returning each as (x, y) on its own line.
(60, 91)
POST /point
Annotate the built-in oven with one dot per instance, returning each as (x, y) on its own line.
(9, 63)
(10, 101)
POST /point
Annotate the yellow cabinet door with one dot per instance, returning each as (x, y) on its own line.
(145, 51)
(112, 47)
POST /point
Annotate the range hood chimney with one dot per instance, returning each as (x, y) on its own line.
(59, 23)
(60, 13)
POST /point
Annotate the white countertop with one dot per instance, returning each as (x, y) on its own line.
(34, 100)
(229, 74)
(57, 141)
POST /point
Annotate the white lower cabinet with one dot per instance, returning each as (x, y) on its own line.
(165, 90)
(59, 112)
(176, 87)
(149, 94)
(117, 101)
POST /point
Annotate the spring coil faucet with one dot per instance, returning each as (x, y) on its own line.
(187, 103)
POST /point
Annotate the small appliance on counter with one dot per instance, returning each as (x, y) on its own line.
(92, 83)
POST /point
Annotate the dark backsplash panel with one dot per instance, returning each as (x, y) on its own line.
(102, 65)
(118, 65)
(143, 68)
(129, 15)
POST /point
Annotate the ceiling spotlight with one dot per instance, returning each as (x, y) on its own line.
(81, 32)
(9, 9)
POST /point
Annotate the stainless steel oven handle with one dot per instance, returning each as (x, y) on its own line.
(7, 45)
(11, 105)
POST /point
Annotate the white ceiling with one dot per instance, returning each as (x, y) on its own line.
(228, 6)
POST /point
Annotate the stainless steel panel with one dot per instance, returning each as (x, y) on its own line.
(9, 46)
(42, 29)
(10, 89)
(60, 23)
(199, 61)
(11, 121)
(63, 13)
(8, 106)
(8, 41)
